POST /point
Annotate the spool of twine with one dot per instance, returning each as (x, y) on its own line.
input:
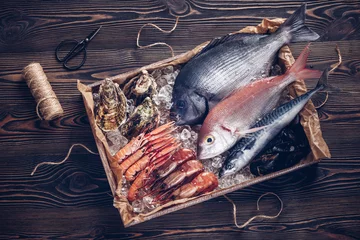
(48, 106)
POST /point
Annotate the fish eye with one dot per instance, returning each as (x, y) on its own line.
(180, 104)
(230, 165)
(209, 139)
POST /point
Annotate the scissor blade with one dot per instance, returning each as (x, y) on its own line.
(93, 34)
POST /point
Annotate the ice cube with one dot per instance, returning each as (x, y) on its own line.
(138, 206)
(124, 191)
(170, 79)
(217, 162)
(186, 144)
(185, 134)
(161, 81)
(156, 100)
(156, 74)
(148, 202)
(176, 73)
(168, 69)
(115, 141)
(165, 93)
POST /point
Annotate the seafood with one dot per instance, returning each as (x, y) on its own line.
(156, 170)
(180, 156)
(110, 112)
(233, 117)
(154, 141)
(247, 148)
(202, 183)
(160, 154)
(139, 183)
(187, 170)
(129, 148)
(285, 150)
(144, 118)
(140, 87)
(229, 63)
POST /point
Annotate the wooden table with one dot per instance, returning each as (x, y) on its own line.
(73, 200)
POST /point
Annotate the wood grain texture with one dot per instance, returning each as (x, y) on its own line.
(74, 201)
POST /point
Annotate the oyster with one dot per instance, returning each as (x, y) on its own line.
(110, 112)
(140, 87)
(144, 119)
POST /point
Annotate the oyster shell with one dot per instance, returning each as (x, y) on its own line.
(111, 108)
(144, 119)
(140, 87)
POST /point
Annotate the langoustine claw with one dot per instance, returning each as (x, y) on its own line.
(202, 183)
(186, 172)
(180, 156)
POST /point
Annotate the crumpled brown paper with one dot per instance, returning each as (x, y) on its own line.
(309, 120)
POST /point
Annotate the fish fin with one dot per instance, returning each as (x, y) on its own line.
(245, 133)
(229, 129)
(295, 25)
(244, 37)
(323, 83)
(298, 68)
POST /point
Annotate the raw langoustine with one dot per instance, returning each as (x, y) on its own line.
(150, 174)
(110, 112)
(186, 171)
(202, 183)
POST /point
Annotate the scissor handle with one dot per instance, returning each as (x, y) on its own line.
(75, 50)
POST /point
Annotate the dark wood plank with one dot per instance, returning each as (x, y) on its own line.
(40, 27)
(73, 200)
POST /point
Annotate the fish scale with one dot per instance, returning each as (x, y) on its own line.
(230, 70)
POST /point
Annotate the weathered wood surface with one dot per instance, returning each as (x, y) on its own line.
(73, 200)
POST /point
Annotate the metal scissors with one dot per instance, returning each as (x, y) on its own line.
(77, 48)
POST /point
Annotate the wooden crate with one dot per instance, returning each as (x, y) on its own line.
(309, 121)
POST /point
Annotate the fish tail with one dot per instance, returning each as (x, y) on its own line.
(323, 81)
(295, 27)
(298, 68)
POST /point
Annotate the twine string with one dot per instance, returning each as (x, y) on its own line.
(258, 208)
(64, 160)
(156, 43)
(335, 66)
(38, 104)
(48, 106)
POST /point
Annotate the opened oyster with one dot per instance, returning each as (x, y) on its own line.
(140, 87)
(110, 111)
(144, 118)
